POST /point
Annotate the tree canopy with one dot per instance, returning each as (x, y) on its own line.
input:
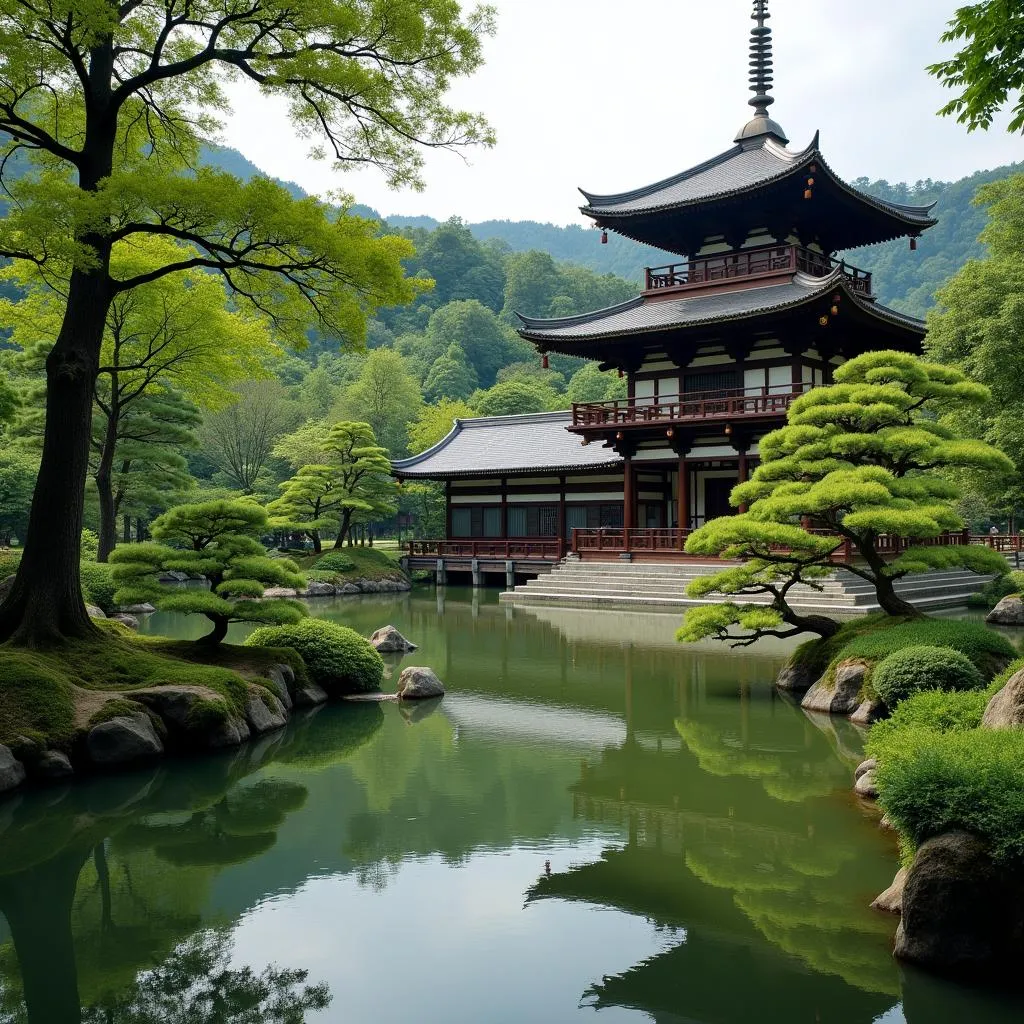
(865, 462)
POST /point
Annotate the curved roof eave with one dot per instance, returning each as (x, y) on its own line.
(820, 286)
(915, 216)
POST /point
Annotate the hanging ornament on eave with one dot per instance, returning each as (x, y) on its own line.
(544, 361)
(604, 236)
(913, 243)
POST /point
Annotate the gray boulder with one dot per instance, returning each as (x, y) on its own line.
(843, 696)
(139, 609)
(52, 766)
(868, 712)
(891, 901)
(867, 785)
(12, 771)
(123, 740)
(263, 711)
(126, 620)
(798, 678)
(309, 695)
(281, 681)
(317, 589)
(865, 766)
(1006, 709)
(277, 592)
(349, 588)
(1009, 612)
(419, 684)
(387, 640)
(962, 913)
(95, 612)
(173, 576)
(184, 710)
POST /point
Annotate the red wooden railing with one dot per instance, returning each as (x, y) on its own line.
(620, 540)
(548, 549)
(698, 406)
(764, 261)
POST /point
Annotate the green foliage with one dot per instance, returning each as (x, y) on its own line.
(334, 561)
(99, 585)
(985, 649)
(90, 545)
(932, 782)
(937, 710)
(35, 696)
(436, 422)
(18, 469)
(715, 620)
(450, 376)
(589, 384)
(989, 69)
(916, 669)
(992, 593)
(336, 657)
(862, 458)
(217, 539)
(514, 397)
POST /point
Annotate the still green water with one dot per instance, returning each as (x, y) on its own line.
(593, 819)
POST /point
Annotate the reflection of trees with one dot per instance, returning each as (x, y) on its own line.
(196, 985)
(90, 901)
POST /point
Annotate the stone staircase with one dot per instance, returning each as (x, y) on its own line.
(661, 586)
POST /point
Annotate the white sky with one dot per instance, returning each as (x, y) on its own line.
(614, 94)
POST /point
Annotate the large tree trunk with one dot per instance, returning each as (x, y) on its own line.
(343, 528)
(314, 536)
(45, 604)
(126, 536)
(104, 478)
(888, 600)
(217, 634)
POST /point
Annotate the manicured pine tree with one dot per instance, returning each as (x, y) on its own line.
(219, 540)
(863, 459)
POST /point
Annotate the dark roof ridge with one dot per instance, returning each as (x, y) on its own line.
(581, 318)
(733, 151)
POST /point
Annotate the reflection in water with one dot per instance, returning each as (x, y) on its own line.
(593, 817)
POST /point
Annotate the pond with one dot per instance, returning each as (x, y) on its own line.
(594, 819)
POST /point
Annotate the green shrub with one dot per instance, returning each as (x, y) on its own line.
(337, 658)
(916, 669)
(322, 576)
(937, 710)
(931, 782)
(90, 545)
(1004, 677)
(334, 561)
(98, 585)
(988, 651)
(9, 562)
(992, 593)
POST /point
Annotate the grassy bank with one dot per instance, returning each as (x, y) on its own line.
(349, 565)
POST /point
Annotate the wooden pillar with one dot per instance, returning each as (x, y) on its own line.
(683, 494)
(797, 374)
(448, 509)
(744, 475)
(504, 508)
(628, 494)
(561, 513)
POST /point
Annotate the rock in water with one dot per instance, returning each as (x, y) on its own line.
(962, 914)
(309, 695)
(316, 589)
(841, 698)
(1006, 709)
(12, 771)
(797, 678)
(1009, 612)
(281, 681)
(52, 766)
(892, 899)
(419, 684)
(865, 766)
(124, 739)
(263, 711)
(139, 609)
(126, 620)
(273, 593)
(866, 785)
(388, 640)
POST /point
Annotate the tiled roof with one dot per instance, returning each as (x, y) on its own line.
(742, 168)
(638, 316)
(507, 444)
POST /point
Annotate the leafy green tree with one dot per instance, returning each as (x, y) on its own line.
(239, 438)
(511, 397)
(977, 328)
(450, 377)
(435, 422)
(219, 540)
(531, 283)
(386, 395)
(863, 460)
(990, 66)
(534, 371)
(488, 343)
(352, 483)
(111, 102)
(18, 469)
(589, 384)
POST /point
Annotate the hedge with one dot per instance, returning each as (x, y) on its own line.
(916, 669)
(337, 658)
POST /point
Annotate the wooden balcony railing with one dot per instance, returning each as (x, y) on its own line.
(736, 404)
(620, 540)
(766, 261)
(546, 549)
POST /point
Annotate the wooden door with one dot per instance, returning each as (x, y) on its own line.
(716, 497)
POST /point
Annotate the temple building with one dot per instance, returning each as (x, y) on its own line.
(760, 306)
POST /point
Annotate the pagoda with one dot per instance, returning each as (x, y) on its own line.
(760, 306)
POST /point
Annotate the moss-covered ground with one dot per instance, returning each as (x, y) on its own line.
(46, 696)
(367, 564)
